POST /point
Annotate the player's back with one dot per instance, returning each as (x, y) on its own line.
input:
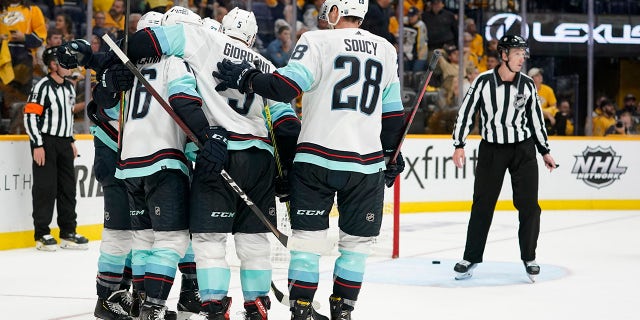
(347, 75)
(151, 139)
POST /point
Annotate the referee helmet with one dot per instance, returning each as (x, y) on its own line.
(512, 41)
(49, 55)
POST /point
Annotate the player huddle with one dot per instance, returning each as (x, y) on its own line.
(220, 90)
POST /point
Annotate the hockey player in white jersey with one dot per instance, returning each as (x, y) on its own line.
(353, 119)
(156, 172)
(114, 263)
(215, 209)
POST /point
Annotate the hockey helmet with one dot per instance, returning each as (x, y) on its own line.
(49, 54)
(353, 8)
(181, 15)
(240, 24)
(150, 19)
(512, 41)
(211, 24)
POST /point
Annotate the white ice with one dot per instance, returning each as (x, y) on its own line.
(588, 261)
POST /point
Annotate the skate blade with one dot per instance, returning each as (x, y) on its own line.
(463, 275)
(185, 315)
(532, 277)
(50, 248)
(73, 246)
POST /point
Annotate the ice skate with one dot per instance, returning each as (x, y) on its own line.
(214, 310)
(337, 312)
(532, 268)
(111, 308)
(303, 310)
(257, 310)
(464, 269)
(73, 241)
(189, 302)
(47, 243)
(138, 299)
(150, 311)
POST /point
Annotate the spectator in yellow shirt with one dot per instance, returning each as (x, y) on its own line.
(605, 120)
(547, 98)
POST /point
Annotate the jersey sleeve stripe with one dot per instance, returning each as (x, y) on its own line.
(298, 73)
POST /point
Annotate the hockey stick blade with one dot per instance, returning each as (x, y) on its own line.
(414, 109)
(316, 246)
(284, 298)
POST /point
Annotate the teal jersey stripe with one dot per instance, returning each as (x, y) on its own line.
(149, 170)
(104, 137)
(171, 38)
(113, 112)
(279, 110)
(160, 268)
(111, 263)
(305, 276)
(339, 165)
(391, 100)
(185, 84)
(246, 144)
(298, 73)
(190, 151)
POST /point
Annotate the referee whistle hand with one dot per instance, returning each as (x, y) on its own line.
(458, 157)
(549, 162)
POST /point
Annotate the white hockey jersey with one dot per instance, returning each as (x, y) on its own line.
(151, 139)
(350, 80)
(240, 114)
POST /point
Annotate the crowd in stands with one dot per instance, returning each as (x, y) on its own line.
(27, 27)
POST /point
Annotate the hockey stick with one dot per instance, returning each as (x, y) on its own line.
(432, 66)
(289, 242)
(123, 103)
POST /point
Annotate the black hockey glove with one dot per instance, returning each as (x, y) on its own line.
(74, 53)
(393, 170)
(116, 78)
(282, 187)
(213, 155)
(235, 75)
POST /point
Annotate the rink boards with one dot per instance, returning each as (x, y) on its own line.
(594, 174)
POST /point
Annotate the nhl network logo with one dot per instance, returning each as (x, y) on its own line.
(598, 167)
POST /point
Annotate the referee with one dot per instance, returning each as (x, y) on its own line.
(512, 127)
(48, 119)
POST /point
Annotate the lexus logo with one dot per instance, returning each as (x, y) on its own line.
(504, 23)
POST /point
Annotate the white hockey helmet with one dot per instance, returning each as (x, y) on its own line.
(181, 15)
(150, 19)
(212, 24)
(353, 8)
(240, 24)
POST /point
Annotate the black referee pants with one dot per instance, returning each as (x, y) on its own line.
(493, 161)
(54, 183)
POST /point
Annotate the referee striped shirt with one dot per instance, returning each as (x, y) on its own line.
(49, 110)
(509, 112)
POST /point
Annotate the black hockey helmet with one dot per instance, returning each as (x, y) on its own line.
(49, 55)
(512, 41)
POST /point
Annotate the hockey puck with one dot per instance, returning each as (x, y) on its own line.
(435, 262)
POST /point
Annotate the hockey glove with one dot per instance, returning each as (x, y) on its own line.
(282, 187)
(393, 170)
(213, 156)
(235, 75)
(117, 78)
(74, 53)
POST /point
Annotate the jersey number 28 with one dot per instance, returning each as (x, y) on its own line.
(370, 86)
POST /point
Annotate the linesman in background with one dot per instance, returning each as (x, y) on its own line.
(512, 127)
(48, 119)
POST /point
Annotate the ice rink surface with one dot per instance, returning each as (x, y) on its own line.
(588, 271)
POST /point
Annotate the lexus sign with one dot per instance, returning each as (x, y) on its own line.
(569, 32)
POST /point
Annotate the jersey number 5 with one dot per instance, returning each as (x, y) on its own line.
(370, 86)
